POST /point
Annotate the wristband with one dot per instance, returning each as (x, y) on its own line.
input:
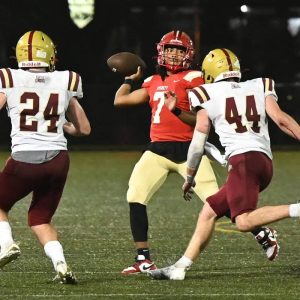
(128, 81)
(176, 111)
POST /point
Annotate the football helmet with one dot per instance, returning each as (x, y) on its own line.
(176, 38)
(220, 64)
(35, 49)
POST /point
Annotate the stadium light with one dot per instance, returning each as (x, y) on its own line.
(81, 12)
(244, 8)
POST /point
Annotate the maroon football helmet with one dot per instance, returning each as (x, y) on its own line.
(176, 38)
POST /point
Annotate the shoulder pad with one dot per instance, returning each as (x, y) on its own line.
(192, 75)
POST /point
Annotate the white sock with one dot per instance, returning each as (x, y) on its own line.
(6, 238)
(184, 262)
(294, 210)
(55, 252)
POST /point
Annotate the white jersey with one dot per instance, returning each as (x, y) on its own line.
(237, 111)
(36, 105)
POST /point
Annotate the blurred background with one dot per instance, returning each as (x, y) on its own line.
(265, 34)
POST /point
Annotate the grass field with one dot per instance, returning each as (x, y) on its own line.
(94, 227)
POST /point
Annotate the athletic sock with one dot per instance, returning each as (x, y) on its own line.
(294, 210)
(54, 251)
(143, 252)
(184, 262)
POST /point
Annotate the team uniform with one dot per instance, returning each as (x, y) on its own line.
(39, 162)
(237, 111)
(170, 139)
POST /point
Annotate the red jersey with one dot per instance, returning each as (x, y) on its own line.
(165, 126)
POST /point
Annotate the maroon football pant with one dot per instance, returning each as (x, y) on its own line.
(46, 181)
(248, 174)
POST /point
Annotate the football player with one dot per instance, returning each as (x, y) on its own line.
(38, 99)
(171, 131)
(238, 112)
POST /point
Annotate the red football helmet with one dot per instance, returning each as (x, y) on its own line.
(180, 39)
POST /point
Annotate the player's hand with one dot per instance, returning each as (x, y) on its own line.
(70, 128)
(136, 76)
(188, 191)
(170, 100)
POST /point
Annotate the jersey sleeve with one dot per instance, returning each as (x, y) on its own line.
(269, 87)
(147, 82)
(193, 79)
(75, 85)
(197, 97)
(6, 79)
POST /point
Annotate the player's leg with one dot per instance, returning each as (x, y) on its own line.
(148, 175)
(206, 186)
(45, 200)
(13, 187)
(252, 173)
(200, 239)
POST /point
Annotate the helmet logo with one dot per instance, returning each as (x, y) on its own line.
(41, 54)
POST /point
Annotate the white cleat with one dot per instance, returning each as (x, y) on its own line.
(64, 274)
(267, 239)
(11, 254)
(168, 273)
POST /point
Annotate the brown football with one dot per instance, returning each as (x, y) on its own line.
(125, 63)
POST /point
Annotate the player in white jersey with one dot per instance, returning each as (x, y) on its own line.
(38, 100)
(238, 112)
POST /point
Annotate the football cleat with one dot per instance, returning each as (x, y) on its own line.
(141, 266)
(168, 273)
(11, 254)
(64, 274)
(267, 239)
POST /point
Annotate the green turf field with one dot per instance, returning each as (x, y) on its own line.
(93, 222)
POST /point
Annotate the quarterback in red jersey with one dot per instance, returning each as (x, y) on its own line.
(172, 127)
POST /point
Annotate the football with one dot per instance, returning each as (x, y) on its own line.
(125, 63)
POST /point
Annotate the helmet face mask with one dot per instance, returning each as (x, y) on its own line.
(35, 50)
(181, 41)
(220, 64)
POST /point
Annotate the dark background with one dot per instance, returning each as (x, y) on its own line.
(261, 39)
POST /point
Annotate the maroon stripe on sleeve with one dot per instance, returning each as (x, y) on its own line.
(2, 78)
(70, 80)
(76, 83)
(11, 82)
(204, 92)
(264, 83)
(197, 95)
(270, 85)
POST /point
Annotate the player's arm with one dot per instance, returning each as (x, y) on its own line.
(124, 96)
(196, 151)
(79, 124)
(187, 117)
(2, 100)
(283, 120)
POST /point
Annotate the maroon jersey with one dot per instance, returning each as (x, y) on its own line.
(165, 126)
